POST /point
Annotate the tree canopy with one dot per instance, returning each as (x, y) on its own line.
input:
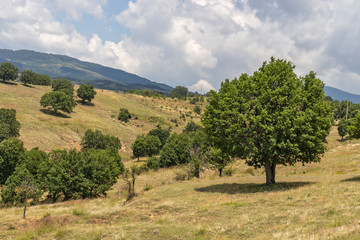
(179, 92)
(97, 140)
(9, 126)
(273, 117)
(27, 76)
(86, 92)
(8, 72)
(58, 100)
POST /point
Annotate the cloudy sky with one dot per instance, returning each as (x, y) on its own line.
(196, 43)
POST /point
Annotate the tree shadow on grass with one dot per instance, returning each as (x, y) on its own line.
(52, 113)
(29, 86)
(8, 83)
(353, 179)
(85, 103)
(233, 188)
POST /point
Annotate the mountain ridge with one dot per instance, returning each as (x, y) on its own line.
(341, 95)
(77, 71)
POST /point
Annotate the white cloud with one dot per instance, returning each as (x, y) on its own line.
(202, 86)
(75, 8)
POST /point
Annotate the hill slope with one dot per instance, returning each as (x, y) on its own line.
(39, 129)
(315, 201)
(58, 66)
(340, 95)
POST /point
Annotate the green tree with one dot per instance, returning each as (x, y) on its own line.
(179, 92)
(8, 71)
(64, 85)
(138, 147)
(129, 176)
(58, 100)
(197, 109)
(354, 128)
(192, 127)
(219, 159)
(162, 134)
(9, 126)
(124, 115)
(273, 117)
(342, 128)
(11, 155)
(86, 92)
(176, 150)
(27, 76)
(21, 187)
(97, 140)
(42, 79)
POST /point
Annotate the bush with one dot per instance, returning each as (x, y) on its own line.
(180, 176)
(229, 171)
(124, 115)
(153, 163)
(176, 150)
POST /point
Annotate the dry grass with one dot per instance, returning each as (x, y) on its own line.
(41, 129)
(316, 201)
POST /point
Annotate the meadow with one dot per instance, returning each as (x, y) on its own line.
(315, 201)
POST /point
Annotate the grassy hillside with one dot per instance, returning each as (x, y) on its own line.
(41, 129)
(316, 201)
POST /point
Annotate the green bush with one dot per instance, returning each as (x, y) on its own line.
(124, 115)
(153, 163)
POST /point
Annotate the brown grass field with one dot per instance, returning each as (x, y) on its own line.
(315, 201)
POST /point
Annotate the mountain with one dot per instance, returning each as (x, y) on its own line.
(61, 66)
(340, 95)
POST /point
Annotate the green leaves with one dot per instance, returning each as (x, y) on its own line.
(8, 71)
(9, 126)
(271, 116)
(86, 92)
(58, 101)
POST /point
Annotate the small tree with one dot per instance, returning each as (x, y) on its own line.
(27, 76)
(197, 109)
(342, 128)
(9, 127)
(86, 92)
(124, 115)
(129, 176)
(192, 127)
(21, 187)
(219, 159)
(176, 150)
(139, 148)
(42, 79)
(8, 71)
(58, 101)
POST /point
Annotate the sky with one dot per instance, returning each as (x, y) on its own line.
(193, 43)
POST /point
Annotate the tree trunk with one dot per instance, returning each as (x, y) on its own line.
(24, 209)
(220, 172)
(270, 172)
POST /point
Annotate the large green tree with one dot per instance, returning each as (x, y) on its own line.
(8, 71)
(58, 100)
(86, 92)
(272, 117)
(9, 127)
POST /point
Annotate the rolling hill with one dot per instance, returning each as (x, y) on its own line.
(60, 66)
(316, 201)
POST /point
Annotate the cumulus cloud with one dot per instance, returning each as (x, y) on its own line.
(180, 41)
(202, 86)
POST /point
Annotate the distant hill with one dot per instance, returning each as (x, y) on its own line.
(61, 66)
(340, 95)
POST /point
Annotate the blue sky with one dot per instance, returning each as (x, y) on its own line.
(194, 43)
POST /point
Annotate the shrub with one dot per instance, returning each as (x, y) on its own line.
(153, 163)
(124, 115)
